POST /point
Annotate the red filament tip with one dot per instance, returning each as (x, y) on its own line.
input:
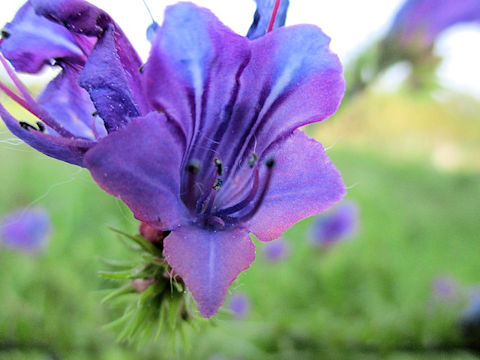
(274, 15)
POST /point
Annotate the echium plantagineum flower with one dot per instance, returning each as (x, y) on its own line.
(26, 229)
(339, 224)
(418, 23)
(203, 141)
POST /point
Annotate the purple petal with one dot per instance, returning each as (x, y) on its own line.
(26, 229)
(193, 69)
(304, 183)
(261, 18)
(338, 224)
(208, 261)
(69, 150)
(140, 164)
(33, 41)
(419, 22)
(292, 79)
(70, 105)
(111, 74)
(106, 78)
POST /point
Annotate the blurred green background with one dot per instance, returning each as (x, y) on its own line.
(412, 163)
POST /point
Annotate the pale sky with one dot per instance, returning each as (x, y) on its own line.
(352, 24)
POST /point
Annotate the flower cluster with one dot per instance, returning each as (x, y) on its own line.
(202, 140)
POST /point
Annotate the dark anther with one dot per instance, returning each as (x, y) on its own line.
(193, 168)
(218, 184)
(270, 163)
(27, 126)
(41, 127)
(95, 113)
(141, 68)
(252, 160)
(219, 166)
(5, 34)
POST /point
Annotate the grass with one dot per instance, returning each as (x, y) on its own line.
(363, 299)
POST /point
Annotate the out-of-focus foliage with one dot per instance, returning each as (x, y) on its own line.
(412, 167)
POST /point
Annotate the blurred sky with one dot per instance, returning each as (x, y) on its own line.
(351, 24)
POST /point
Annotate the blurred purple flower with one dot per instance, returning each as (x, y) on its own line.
(202, 141)
(239, 304)
(276, 250)
(419, 22)
(340, 223)
(445, 289)
(26, 229)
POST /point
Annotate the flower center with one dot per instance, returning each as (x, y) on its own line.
(222, 200)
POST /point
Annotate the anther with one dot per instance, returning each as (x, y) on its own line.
(270, 163)
(252, 159)
(193, 168)
(41, 126)
(25, 125)
(219, 166)
(5, 34)
(141, 68)
(218, 184)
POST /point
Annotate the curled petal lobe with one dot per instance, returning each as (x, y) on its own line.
(208, 261)
(261, 18)
(304, 183)
(29, 49)
(65, 149)
(140, 164)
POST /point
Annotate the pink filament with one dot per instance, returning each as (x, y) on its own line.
(274, 15)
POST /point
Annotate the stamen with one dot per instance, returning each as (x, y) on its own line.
(274, 15)
(17, 82)
(218, 184)
(252, 160)
(41, 126)
(5, 34)
(25, 125)
(148, 10)
(243, 203)
(270, 163)
(219, 166)
(192, 168)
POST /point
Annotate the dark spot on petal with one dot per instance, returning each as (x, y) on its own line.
(270, 163)
(41, 126)
(5, 34)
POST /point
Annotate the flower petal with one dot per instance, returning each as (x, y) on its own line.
(208, 261)
(106, 78)
(111, 74)
(32, 41)
(69, 150)
(304, 183)
(292, 79)
(193, 69)
(70, 105)
(140, 164)
(261, 18)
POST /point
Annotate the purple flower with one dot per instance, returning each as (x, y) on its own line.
(445, 289)
(98, 90)
(26, 229)
(220, 155)
(419, 22)
(276, 250)
(239, 305)
(338, 224)
(263, 15)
